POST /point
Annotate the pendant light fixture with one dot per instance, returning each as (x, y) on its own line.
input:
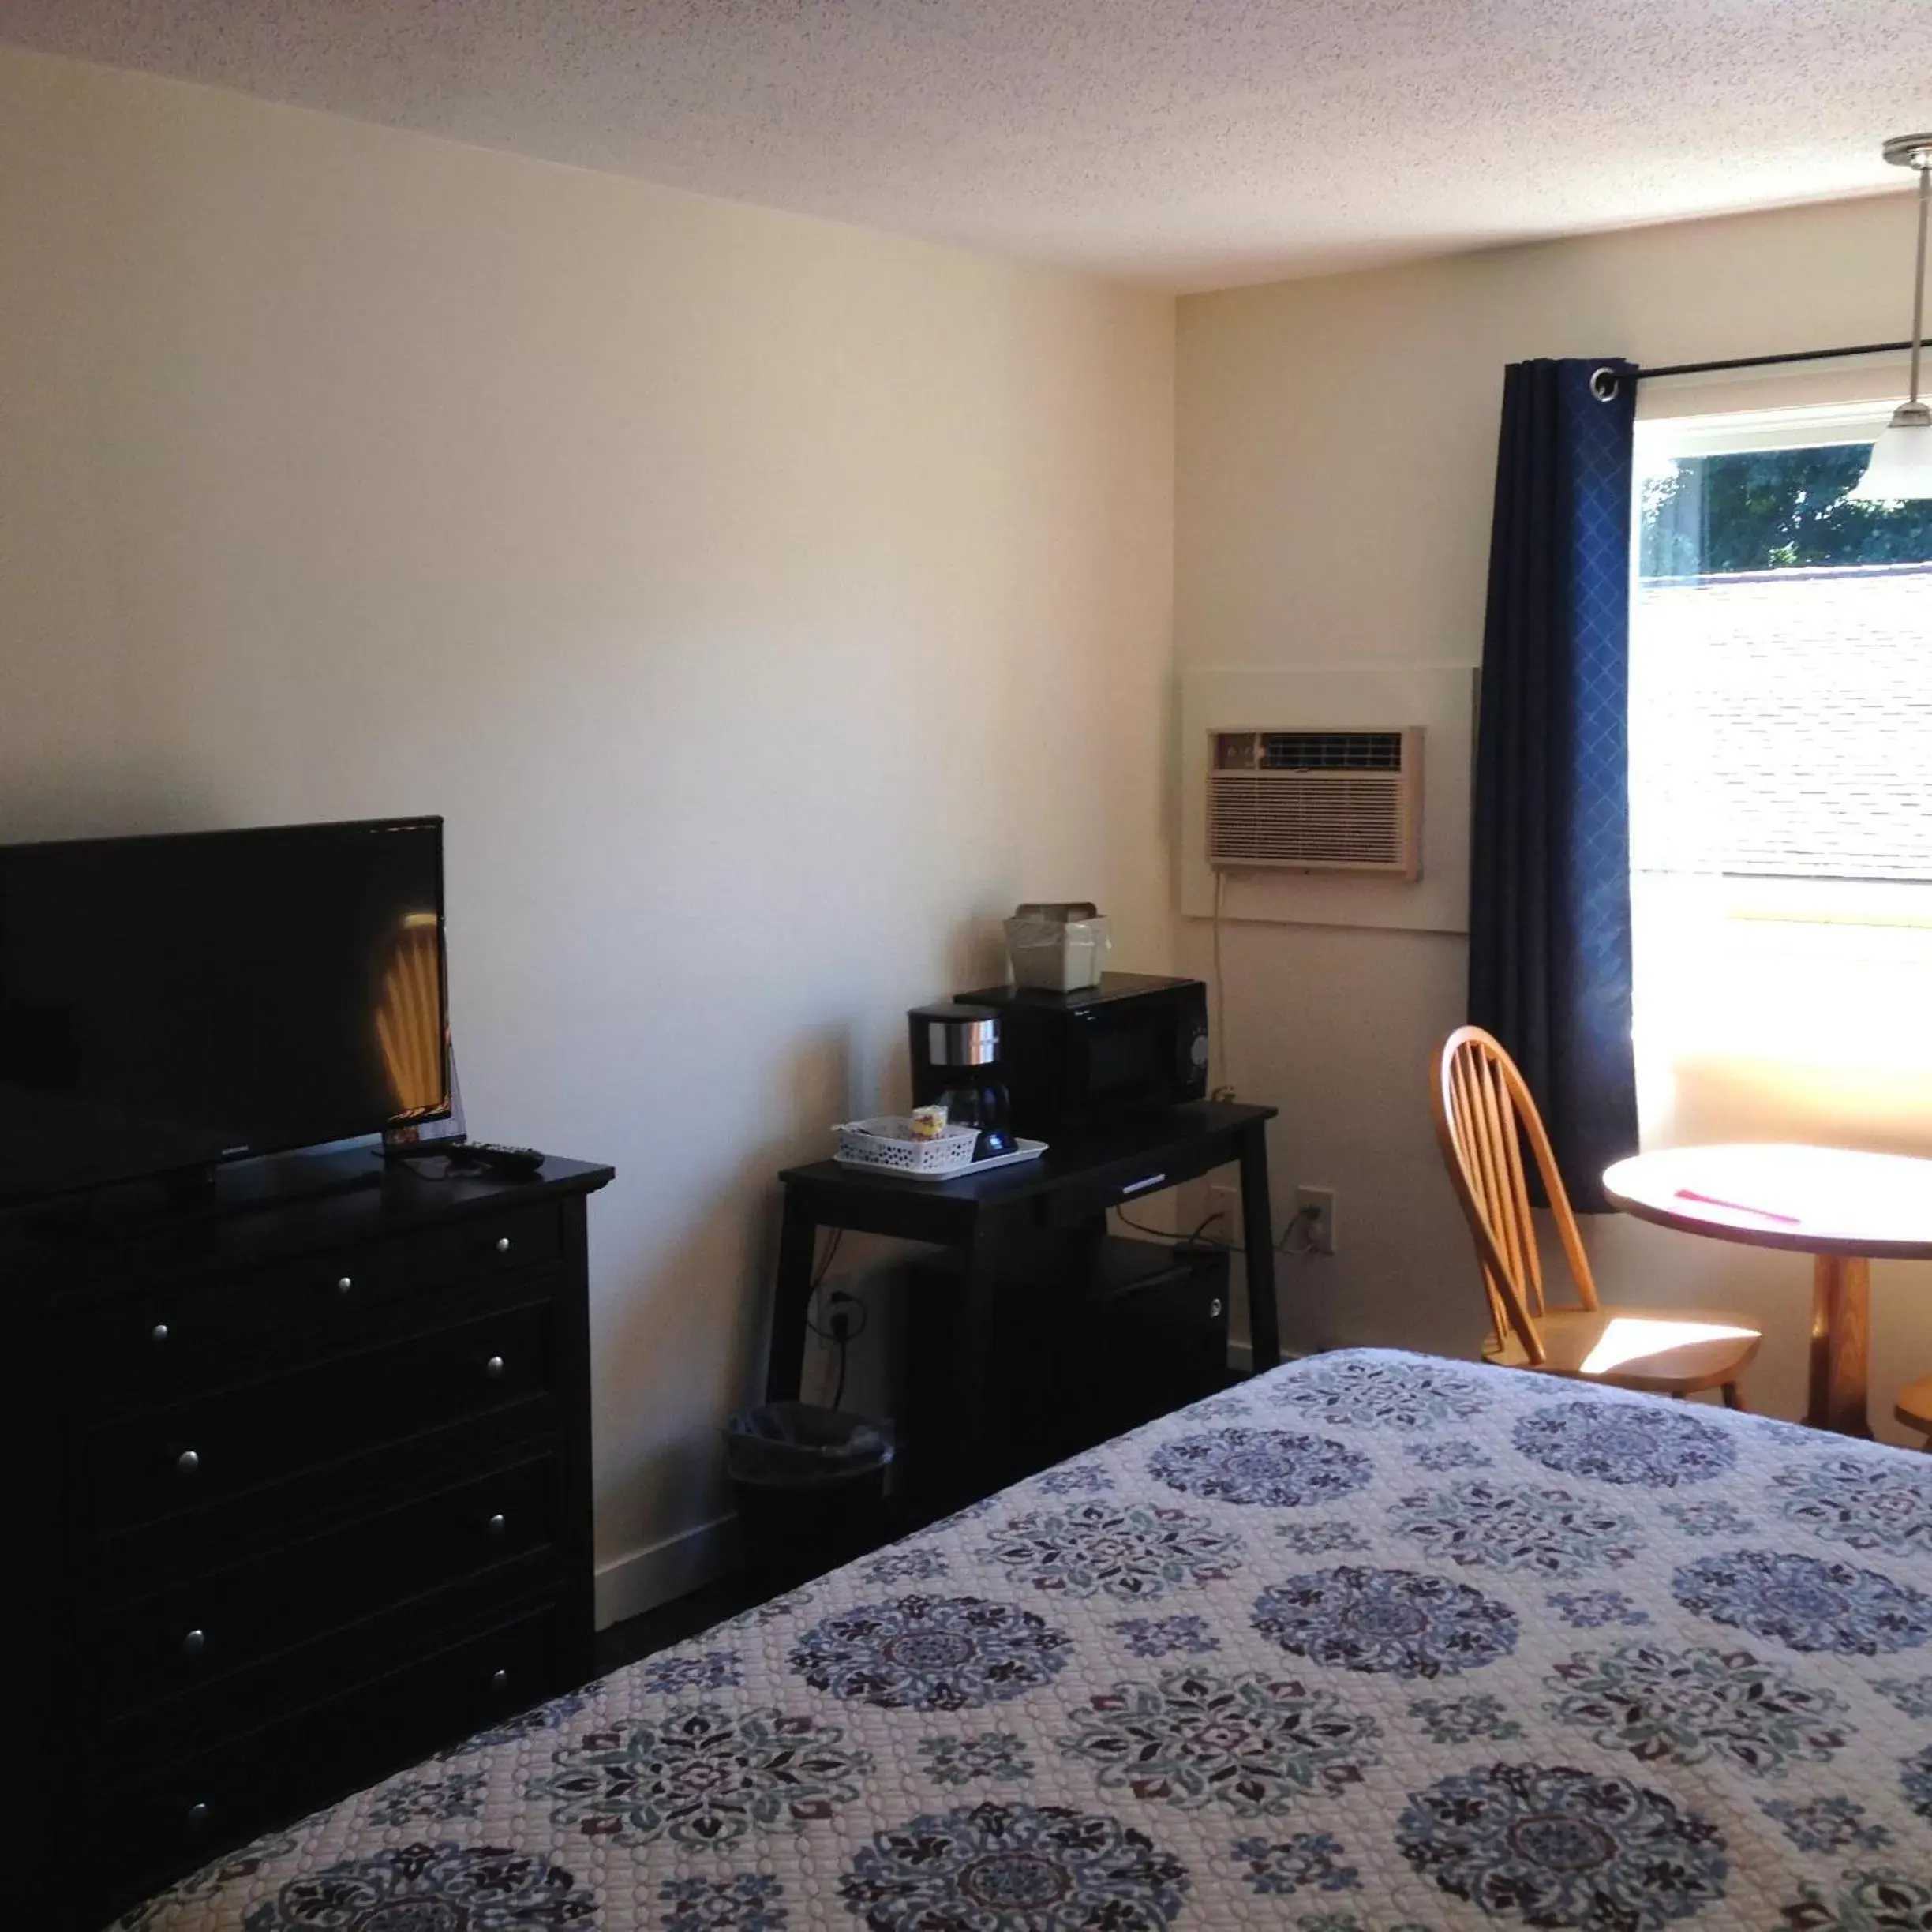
(1901, 459)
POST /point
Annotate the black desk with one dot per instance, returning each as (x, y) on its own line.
(1071, 1186)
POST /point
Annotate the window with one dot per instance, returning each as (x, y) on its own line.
(1780, 784)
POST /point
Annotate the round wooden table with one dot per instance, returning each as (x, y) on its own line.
(1842, 1208)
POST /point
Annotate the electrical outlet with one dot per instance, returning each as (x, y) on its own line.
(1315, 1209)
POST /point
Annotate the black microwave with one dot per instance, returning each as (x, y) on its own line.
(1076, 1063)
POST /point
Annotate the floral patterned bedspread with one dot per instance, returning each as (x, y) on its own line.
(1375, 1642)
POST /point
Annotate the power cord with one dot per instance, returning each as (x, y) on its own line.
(1224, 1089)
(1200, 1238)
(824, 1266)
(841, 1330)
(844, 1332)
(1306, 1218)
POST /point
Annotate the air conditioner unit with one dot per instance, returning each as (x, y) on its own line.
(1316, 801)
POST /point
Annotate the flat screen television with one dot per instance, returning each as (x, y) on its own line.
(169, 1002)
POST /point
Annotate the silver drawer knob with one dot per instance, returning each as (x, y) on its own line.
(194, 1643)
(158, 1334)
(344, 1283)
(186, 1463)
(499, 1680)
(498, 1524)
(494, 1367)
(1214, 1308)
(198, 1812)
(503, 1244)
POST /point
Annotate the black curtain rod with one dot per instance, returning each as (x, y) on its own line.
(1803, 355)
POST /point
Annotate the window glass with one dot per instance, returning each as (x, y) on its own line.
(1782, 809)
(1755, 510)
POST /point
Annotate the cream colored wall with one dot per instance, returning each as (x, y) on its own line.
(769, 604)
(1336, 454)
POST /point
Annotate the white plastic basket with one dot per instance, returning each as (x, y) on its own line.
(887, 1142)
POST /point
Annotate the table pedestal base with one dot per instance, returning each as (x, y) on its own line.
(1840, 1331)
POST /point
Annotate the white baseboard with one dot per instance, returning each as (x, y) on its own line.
(629, 1586)
(626, 1587)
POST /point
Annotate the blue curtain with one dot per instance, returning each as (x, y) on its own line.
(1549, 888)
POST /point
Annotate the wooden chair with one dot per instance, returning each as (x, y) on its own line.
(1484, 1112)
(1914, 1407)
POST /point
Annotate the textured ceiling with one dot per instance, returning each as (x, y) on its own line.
(1184, 143)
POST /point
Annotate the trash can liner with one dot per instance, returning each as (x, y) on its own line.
(793, 1445)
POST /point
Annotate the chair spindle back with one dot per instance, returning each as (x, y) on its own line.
(1484, 1113)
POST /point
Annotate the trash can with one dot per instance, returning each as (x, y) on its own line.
(811, 1488)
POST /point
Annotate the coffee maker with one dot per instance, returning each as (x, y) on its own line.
(956, 1059)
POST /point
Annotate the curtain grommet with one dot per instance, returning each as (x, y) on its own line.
(1604, 384)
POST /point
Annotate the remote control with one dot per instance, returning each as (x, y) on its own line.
(497, 1157)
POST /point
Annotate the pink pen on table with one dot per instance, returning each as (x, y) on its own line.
(1763, 1214)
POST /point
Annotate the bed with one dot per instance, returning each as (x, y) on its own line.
(1372, 1643)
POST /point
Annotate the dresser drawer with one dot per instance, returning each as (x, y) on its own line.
(139, 1560)
(167, 1341)
(168, 1823)
(227, 1620)
(207, 1718)
(488, 1244)
(224, 1444)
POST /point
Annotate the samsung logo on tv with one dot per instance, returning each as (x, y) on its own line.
(230, 1153)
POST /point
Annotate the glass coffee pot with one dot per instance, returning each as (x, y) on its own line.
(955, 1063)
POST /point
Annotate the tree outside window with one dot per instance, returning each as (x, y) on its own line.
(1779, 509)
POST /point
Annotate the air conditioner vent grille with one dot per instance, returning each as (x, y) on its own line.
(1331, 751)
(1316, 801)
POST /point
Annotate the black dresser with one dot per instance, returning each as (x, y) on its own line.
(312, 1498)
